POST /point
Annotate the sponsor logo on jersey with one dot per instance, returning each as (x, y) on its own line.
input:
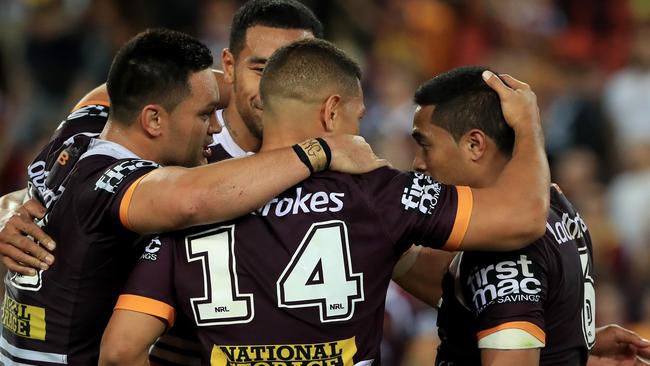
(151, 250)
(304, 203)
(114, 176)
(504, 282)
(568, 229)
(337, 353)
(37, 177)
(37, 174)
(422, 195)
(24, 320)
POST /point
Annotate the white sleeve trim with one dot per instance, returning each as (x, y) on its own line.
(510, 339)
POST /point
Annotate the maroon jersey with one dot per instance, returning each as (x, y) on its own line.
(58, 316)
(87, 119)
(180, 346)
(539, 296)
(304, 278)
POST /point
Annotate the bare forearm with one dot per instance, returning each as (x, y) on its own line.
(512, 357)
(128, 337)
(424, 279)
(525, 182)
(212, 193)
(140, 359)
(175, 198)
(243, 185)
(512, 212)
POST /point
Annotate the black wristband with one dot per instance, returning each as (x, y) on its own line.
(314, 153)
(302, 155)
(327, 150)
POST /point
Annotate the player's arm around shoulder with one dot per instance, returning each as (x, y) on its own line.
(512, 212)
(224, 190)
(128, 337)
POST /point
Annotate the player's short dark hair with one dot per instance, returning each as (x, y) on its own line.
(283, 14)
(154, 68)
(464, 101)
(302, 69)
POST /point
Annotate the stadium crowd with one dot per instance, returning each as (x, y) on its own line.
(587, 60)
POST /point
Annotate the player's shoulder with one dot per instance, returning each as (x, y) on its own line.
(559, 202)
(378, 177)
(564, 224)
(111, 173)
(107, 166)
(358, 185)
(89, 118)
(539, 251)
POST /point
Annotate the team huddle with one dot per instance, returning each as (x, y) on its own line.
(183, 216)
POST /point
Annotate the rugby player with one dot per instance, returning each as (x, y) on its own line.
(526, 307)
(305, 276)
(103, 194)
(259, 28)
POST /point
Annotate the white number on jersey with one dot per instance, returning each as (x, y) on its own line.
(222, 302)
(320, 274)
(589, 297)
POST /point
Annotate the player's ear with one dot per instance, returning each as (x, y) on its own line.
(474, 143)
(152, 119)
(228, 63)
(330, 112)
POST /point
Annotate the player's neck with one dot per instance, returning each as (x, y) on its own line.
(490, 171)
(238, 130)
(130, 139)
(279, 134)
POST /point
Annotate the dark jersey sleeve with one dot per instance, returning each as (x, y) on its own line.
(87, 119)
(413, 208)
(108, 197)
(506, 292)
(149, 289)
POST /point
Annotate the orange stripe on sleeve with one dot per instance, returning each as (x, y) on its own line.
(463, 214)
(80, 105)
(146, 305)
(126, 202)
(528, 327)
(557, 188)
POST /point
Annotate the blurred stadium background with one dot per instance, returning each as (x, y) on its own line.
(587, 60)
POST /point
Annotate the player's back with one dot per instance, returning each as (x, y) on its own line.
(545, 289)
(58, 315)
(305, 277)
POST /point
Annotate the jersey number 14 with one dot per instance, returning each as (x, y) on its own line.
(318, 275)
